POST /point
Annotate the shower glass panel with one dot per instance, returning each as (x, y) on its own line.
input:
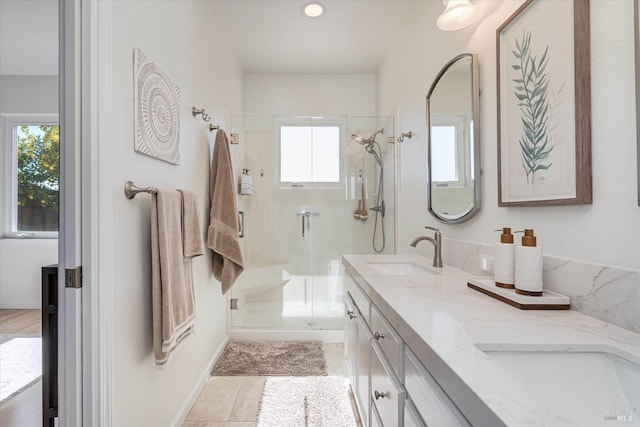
(313, 190)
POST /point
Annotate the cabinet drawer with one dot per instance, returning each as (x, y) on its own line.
(363, 369)
(430, 400)
(387, 394)
(359, 298)
(375, 417)
(389, 341)
(411, 417)
(350, 339)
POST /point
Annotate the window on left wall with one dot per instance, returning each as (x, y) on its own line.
(35, 178)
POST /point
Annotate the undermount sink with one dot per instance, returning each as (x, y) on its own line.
(400, 269)
(588, 387)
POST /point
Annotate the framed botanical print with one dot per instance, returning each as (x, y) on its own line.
(544, 105)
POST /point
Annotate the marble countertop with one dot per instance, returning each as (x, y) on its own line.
(453, 329)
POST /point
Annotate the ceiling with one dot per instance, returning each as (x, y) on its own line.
(353, 36)
(268, 36)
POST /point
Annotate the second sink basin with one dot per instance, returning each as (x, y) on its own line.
(589, 387)
(400, 269)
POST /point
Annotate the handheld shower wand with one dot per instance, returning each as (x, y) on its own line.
(372, 147)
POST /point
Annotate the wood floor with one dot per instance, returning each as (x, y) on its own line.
(20, 322)
(24, 409)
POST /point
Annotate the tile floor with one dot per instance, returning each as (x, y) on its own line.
(233, 401)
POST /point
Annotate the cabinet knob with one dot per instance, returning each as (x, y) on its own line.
(378, 395)
(350, 314)
(378, 336)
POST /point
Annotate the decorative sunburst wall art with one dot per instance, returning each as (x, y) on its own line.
(157, 120)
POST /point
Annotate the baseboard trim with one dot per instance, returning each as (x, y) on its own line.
(21, 305)
(327, 336)
(197, 389)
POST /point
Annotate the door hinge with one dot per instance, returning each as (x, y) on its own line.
(234, 303)
(73, 277)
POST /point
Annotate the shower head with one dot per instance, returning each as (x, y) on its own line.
(370, 144)
(366, 141)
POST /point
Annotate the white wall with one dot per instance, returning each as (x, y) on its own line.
(183, 40)
(21, 260)
(321, 94)
(605, 232)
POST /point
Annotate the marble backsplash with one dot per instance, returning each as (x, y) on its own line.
(606, 293)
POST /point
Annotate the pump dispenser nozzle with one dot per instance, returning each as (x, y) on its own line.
(528, 239)
(506, 236)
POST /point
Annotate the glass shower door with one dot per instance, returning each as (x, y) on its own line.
(308, 177)
(310, 156)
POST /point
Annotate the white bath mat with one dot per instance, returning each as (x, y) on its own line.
(20, 365)
(305, 401)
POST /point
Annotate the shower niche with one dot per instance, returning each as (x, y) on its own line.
(322, 187)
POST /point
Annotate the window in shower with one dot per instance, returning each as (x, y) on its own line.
(447, 139)
(310, 155)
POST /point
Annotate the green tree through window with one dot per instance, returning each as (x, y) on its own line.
(38, 177)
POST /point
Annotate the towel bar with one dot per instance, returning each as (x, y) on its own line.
(130, 190)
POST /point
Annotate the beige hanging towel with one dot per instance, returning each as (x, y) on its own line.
(222, 237)
(175, 239)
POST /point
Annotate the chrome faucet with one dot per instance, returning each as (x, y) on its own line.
(437, 245)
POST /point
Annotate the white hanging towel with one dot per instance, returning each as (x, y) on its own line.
(246, 184)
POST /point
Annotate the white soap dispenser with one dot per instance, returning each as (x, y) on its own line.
(529, 266)
(505, 262)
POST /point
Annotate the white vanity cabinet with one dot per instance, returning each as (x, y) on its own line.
(387, 393)
(357, 352)
(350, 340)
(430, 400)
(391, 386)
(411, 417)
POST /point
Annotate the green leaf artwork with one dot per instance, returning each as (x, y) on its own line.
(531, 89)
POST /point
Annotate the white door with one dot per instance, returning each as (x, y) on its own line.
(70, 248)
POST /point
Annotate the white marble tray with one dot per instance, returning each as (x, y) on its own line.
(549, 300)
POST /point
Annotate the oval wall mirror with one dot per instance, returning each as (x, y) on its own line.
(453, 141)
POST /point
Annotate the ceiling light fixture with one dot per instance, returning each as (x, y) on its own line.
(457, 15)
(313, 10)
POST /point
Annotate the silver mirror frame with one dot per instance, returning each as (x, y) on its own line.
(636, 13)
(475, 90)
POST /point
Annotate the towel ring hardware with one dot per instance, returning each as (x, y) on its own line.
(130, 190)
(195, 111)
(405, 135)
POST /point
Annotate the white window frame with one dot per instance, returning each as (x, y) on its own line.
(10, 213)
(464, 163)
(340, 123)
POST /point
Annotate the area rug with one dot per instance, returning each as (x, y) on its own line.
(20, 365)
(272, 358)
(305, 401)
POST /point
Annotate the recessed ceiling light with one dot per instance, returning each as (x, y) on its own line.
(313, 10)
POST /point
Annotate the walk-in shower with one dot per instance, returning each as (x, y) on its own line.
(372, 147)
(309, 174)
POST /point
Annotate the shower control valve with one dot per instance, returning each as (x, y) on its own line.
(380, 208)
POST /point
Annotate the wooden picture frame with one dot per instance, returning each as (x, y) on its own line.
(544, 105)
